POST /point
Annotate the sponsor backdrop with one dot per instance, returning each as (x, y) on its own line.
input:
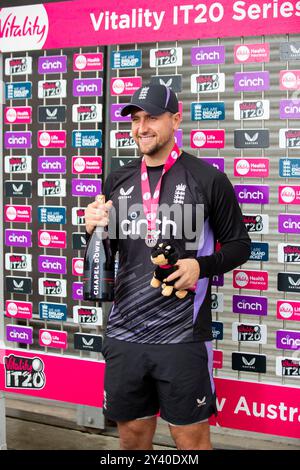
(240, 106)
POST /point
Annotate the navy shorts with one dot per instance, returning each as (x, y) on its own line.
(143, 379)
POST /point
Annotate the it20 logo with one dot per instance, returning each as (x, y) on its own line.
(24, 372)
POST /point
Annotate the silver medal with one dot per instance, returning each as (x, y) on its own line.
(151, 238)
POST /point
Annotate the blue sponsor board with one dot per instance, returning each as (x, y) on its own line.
(52, 311)
(87, 139)
(208, 111)
(217, 330)
(289, 167)
(52, 215)
(126, 59)
(259, 251)
(18, 90)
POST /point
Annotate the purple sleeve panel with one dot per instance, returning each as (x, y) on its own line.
(206, 249)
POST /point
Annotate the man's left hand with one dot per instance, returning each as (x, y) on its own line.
(187, 273)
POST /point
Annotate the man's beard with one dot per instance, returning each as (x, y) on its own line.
(153, 150)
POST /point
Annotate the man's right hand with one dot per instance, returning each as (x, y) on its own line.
(97, 214)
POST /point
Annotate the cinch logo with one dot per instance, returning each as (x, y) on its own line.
(252, 193)
(22, 372)
(115, 113)
(20, 334)
(77, 291)
(52, 264)
(288, 339)
(290, 109)
(251, 81)
(17, 140)
(207, 55)
(88, 187)
(289, 223)
(51, 164)
(87, 87)
(23, 28)
(52, 64)
(139, 227)
(249, 304)
(18, 238)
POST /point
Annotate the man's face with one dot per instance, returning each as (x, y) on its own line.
(153, 133)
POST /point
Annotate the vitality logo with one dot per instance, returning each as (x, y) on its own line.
(208, 83)
(166, 57)
(18, 65)
(52, 89)
(87, 113)
(125, 86)
(53, 287)
(248, 110)
(22, 372)
(288, 367)
(87, 315)
(248, 332)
